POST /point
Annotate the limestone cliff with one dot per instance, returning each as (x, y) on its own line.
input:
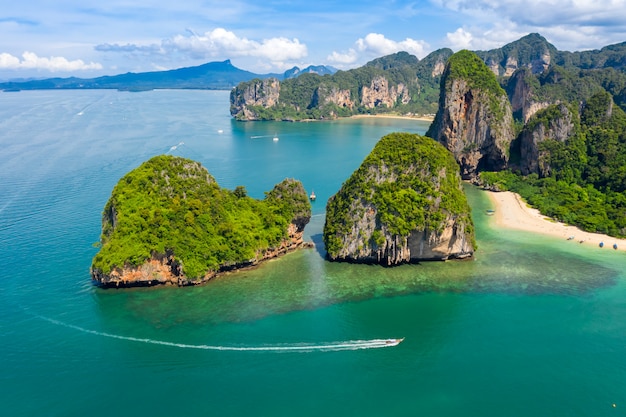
(474, 120)
(168, 222)
(380, 93)
(521, 89)
(261, 93)
(404, 204)
(331, 94)
(263, 99)
(556, 123)
(532, 51)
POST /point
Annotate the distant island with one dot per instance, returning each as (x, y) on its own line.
(168, 222)
(210, 76)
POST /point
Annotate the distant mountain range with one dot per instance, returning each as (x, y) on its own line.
(209, 76)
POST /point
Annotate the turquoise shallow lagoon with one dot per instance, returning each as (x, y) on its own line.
(534, 326)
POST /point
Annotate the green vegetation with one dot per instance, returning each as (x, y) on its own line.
(468, 66)
(420, 187)
(587, 182)
(173, 204)
(306, 96)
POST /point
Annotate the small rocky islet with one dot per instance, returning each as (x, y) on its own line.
(404, 204)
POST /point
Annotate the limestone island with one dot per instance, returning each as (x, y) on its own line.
(169, 222)
(404, 204)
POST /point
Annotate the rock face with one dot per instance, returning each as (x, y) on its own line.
(404, 204)
(264, 93)
(532, 51)
(474, 120)
(557, 123)
(168, 222)
(326, 94)
(166, 269)
(379, 92)
(521, 95)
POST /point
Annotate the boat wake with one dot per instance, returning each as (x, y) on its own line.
(296, 347)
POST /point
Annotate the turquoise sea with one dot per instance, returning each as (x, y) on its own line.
(534, 326)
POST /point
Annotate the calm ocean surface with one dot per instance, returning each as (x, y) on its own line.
(534, 326)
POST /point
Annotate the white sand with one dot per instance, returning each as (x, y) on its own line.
(394, 116)
(513, 213)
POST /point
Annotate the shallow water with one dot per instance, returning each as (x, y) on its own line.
(533, 326)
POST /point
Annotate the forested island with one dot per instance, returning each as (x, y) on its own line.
(404, 204)
(169, 222)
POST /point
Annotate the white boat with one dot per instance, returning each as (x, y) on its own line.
(312, 196)
(393, 342)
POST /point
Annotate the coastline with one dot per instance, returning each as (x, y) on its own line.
(395, 116)
(511, 212)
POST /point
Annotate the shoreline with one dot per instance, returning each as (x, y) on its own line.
(511, 212)
(394, 116)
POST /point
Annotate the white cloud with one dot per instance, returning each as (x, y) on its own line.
(224, 43)
(378, 44)
(346, 58)
(30, 60)
(541, 13)
(459, 39)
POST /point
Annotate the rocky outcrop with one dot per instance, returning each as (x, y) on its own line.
(522, 96)
(166, 269)
(404, 204)
(380, 93)
(557, 123)
(532, 51)
(474, 120)
(325, 95)
(264, 93)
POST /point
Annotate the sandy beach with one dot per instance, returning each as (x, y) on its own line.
(513, 213)
(396, 116)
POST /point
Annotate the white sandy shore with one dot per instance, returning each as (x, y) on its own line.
(395, 116)
(513, 213)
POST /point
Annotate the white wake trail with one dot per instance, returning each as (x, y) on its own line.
(303, 348)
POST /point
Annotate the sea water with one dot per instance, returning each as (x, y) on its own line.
(533, 326)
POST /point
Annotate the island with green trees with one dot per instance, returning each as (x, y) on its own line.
(169, 222)
(404, 204)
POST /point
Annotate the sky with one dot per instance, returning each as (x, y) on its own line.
(90, 38)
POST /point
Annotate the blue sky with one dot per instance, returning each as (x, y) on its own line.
(88, 38)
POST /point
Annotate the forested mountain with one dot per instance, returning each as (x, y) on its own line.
(401, 83)
(567, 155)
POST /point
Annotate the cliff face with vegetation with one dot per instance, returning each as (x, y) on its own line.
(555, 124)
(398, 82)
(573, 169)
(405, 203)
(168, 222)
(474, 120)
(534, 73)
